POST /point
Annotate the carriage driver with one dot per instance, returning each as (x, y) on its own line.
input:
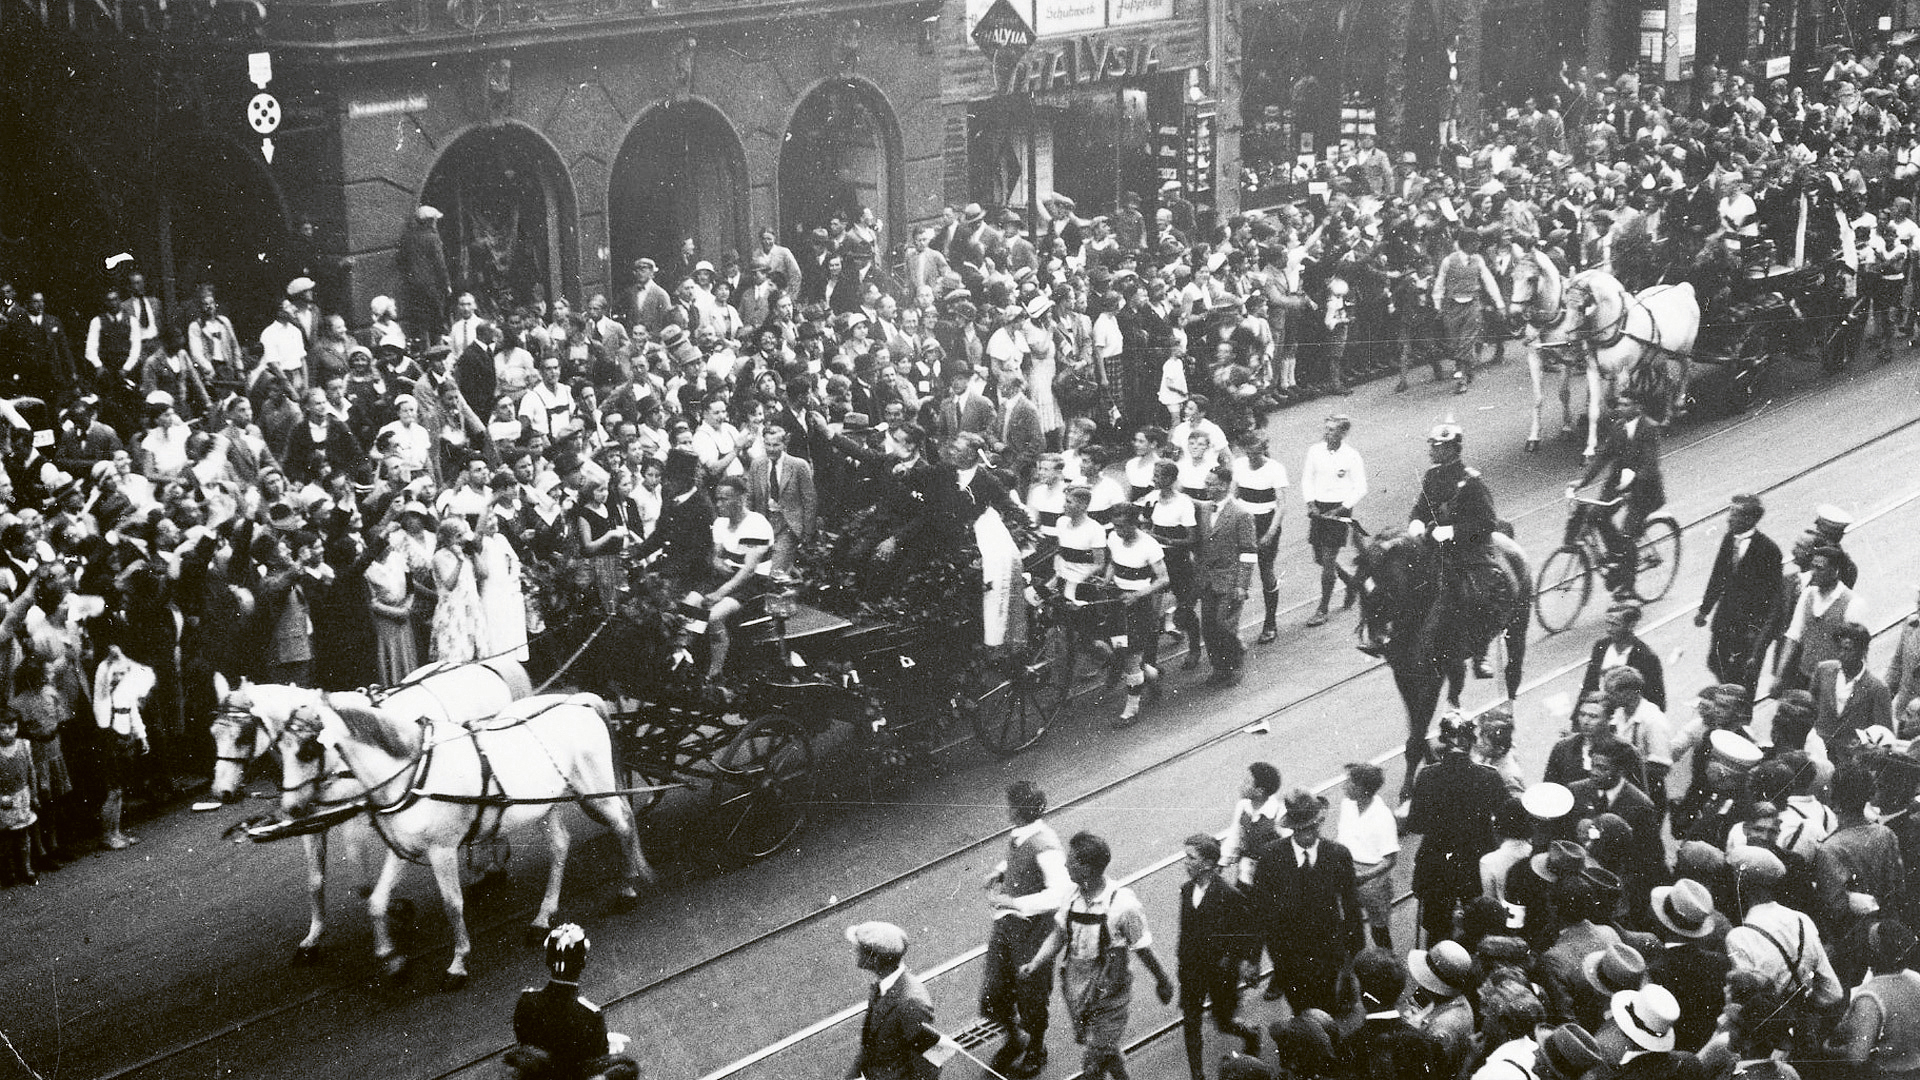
(1455, 513)
(560, 1035)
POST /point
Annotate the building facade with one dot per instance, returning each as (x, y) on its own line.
(1114, 96)
(561, 139)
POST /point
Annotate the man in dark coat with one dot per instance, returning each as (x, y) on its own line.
(474, 371)
(37, 356)
(1453, 804)
(1694, 964)
(897, 1031)
(1314, 923)
(1630, 459)
(1742, 593)
(1385, 1045)
(1610, 791)
(1216, 933)
(558, 1033)
(682, 540)
(423, 269)
(320, 442)
(1622, 646)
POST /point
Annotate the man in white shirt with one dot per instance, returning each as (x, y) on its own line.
(1333, 480)
(1254, 826)
(548, 406)
(1773, 941)
(466, 324)
(283, 346)
(718, 443)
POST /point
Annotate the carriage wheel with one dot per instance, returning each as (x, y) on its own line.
(1562, 588)
(1012, 707)
(763, 785)
(1659, 555)
(638, 771)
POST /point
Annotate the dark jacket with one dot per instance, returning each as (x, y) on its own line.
(1321, 903)
(1220, 932)
(1741, 596)
(1641, 659)
(895, 1033)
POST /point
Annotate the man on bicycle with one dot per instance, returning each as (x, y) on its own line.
(1455, 513)
(1630, 458)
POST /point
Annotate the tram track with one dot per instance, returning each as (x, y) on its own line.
(358, 973)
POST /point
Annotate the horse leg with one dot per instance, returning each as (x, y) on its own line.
(1535, 372)
(383, 950)
(1456, 680)
(1516, 643)
(1421, 695)
(446, 874)
(617, 814)
(1595, 403)
(315, 848)
(559, 841)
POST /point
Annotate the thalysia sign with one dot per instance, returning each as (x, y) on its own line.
(1081, 62)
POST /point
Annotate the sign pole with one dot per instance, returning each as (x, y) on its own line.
(1033, 162)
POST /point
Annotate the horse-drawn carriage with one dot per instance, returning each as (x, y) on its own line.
(1764, 316)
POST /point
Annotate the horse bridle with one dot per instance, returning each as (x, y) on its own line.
(247, 725)
(305, 726)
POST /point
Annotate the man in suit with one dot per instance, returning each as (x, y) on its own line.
(1454, 800)
(1622, 647)
(1223, 564)
(898, 1029)
(648, 304)
(41, 358)
(145, 319)
(466, 324)
(84, 440)
(1216, 933)
(1385, 1044)
(1609, 791)
(1693, 965)
(1847, 698)
(968, 410)
(780, 487)
(474, 371)
(1020, 440)
(1313, 917)
(1630, 458)
(321, 442)
(1742, 593)
(782, 266)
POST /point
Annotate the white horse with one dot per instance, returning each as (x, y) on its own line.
(1539, 294)
(431, 787)
(1644, 341)
(252, 715)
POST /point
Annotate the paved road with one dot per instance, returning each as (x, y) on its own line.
(127, 959)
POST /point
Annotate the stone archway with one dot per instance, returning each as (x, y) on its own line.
(510, 226)
(681, 173)
(55, 226)
(841, 152)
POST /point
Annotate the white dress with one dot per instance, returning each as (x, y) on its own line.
(501, 599)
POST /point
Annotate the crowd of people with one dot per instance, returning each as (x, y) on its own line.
(327, 504)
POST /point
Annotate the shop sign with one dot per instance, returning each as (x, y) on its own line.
(1166, 152)
(1052, 17)
(1082, 62)
(1128, 12)
(1002, 30)
(1200, 147)
(226, 19)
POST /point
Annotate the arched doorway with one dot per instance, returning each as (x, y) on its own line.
(841, 152)
(681, 173)
(509, 227)
(54, 226)
(222, 222)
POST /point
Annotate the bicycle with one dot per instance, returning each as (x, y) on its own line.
(1565, 581)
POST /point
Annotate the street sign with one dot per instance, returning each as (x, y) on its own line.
(1003, 30)
(263, 114)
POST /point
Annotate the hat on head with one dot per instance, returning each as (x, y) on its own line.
(1684, 907)
(427, 213)
(1732, 749)
(645, 264)
(1446, 433)
(1039, 306)
(955, 295)
(437, 352)
(283, 516)
(1560, 862)
(383, 306)
(1756, 865)
(682, 466)
(1697, 858)
(1646, 1016)
(855, 421)
(1614, 968)
(880, 938)
(1548, 801)
(299, 285)
(1304, 809)
(1571, 1052)
(1831, 521)
(567, 948)
(159, 397)
(703, 265)
(1171, 185)
(1445, 969)
(416, 507)
(974, 212)
(672, 334)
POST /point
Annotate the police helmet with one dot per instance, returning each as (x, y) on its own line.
(567, 949)
(1446, 433)
(1456, 730)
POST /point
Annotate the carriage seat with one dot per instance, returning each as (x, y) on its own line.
(804, 625)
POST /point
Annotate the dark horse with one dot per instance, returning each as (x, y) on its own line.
(1399, 586)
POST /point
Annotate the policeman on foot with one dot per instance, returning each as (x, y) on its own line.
(561, 1035)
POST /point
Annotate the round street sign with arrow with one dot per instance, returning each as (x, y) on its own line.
(263, 113)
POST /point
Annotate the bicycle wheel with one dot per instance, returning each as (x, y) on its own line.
(1561, 588)
(764, 787)
(1014, 705)
(1659, 559)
